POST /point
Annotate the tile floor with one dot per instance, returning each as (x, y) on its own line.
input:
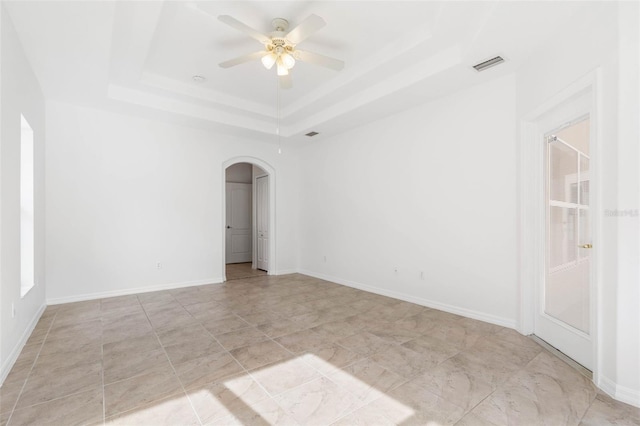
(235, 271)
(288, 350)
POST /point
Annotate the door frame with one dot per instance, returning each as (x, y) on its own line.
(270, 171)
(532, 206)
(254, 236)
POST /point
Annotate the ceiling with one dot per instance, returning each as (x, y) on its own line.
(140, 57)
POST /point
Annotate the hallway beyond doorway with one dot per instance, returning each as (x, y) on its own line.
(236, 271)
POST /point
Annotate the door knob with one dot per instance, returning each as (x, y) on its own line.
(586, 246)
(228, 227)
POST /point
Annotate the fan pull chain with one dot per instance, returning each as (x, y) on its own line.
(278, 115)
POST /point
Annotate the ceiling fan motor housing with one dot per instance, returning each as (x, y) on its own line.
(280, 24)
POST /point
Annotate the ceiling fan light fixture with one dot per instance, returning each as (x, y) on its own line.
(287, 60)
(282, 69)
(268, 60)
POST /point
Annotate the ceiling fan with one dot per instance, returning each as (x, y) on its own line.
(280, 46)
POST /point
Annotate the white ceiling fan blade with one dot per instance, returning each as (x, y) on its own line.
(242, 59)
(317, 59)
(305, 28)
(233, 22)
(285, 81)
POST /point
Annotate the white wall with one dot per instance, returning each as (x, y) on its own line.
(125, 193)
(607, 39)
(21, 94)
(431, 190)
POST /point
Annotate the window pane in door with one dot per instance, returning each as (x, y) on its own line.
(562, 241)
(563, 167)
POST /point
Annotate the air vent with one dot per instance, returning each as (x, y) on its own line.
(488, 64)
(312, 134)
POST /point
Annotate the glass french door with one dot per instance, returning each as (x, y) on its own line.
(564, 320)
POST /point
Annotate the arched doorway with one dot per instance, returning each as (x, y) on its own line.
(248, 183)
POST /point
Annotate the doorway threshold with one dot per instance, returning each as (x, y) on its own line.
(573, 364)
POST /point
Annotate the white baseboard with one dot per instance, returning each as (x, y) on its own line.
(620, 393)
(128, 291)
(15, 353)
(286, 271)
(481, 316)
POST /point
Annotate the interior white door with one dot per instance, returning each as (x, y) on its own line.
(564, 315)
(238, 232)
(262, 223)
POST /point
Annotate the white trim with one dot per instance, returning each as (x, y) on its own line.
(287, 271)
(621, 393)
(15, 353)
(481, 316)
(129, 291)
(271, 172)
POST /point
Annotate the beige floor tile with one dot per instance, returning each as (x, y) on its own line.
(454, 384)
(454, 333)
(263, 413)
(188, 334)
(49, 363)
(409, 404)
(607, 411)
(139, 391)
(320, 402)
(115, 332)
(364, 343)
(338, 329)
(391, 332)
(242, 337)
(187, 351)
(119, 302)
(434, 350)
(233, 396)
(164, 321)
(70, 345)
(225, 325)
(24, 363)
(492, 346)
(330, 358)
(365, 416)
(79, 409)
(155, 297)
(280, 328)
(124, 365)
(284, 375)
(143, 343)
(82, 330)
(384, 361)
(263, 317)
(259, 354)
(75, 316)
(204, 311)
(516, 406)
(66, 381)
(301, 341)
(9, 393)
(493, 370)
(206, 370)
(175, 410)
(404, 361)
(367, 380)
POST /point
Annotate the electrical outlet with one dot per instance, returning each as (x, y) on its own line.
(395, 269)
(325, 259)
(422, 275)
(159, 265)
(13, 310)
